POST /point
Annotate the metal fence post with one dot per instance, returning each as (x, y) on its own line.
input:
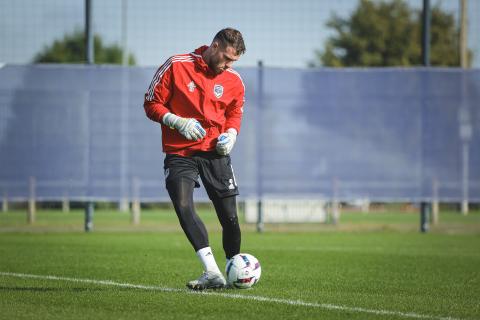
(89, 43)
(89, 210)
(136, 208)
(424, 216)
(435, 206)
(5, 202)
(260, 133)
(426, 21)
(65, 203)
(31, 201)
(335, 202)
(259, 140)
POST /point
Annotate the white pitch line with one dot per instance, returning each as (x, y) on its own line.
(234, 296)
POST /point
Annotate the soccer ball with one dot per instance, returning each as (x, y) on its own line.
(243, 271)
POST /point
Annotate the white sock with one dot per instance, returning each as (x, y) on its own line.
(206, 258)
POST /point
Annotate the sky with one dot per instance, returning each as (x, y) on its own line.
(280, 33)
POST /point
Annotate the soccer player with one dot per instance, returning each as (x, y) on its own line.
(198, 100)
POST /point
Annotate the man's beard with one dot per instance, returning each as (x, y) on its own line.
(214, 67)
(217, 70)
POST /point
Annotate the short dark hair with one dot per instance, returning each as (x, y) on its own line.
(231, 37)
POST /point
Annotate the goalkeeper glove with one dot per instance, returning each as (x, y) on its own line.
(226, 141)
(190, 128)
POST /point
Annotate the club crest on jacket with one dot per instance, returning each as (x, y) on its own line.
(218, 91)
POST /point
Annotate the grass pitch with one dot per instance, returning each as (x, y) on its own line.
(379, 274)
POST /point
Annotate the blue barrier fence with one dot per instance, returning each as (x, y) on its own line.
(80, 132)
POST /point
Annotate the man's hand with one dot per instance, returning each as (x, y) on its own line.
(226, 141)
(190, 128)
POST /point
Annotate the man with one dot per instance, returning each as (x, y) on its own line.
(198, 100)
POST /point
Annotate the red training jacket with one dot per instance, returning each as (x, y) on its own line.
(184, 85)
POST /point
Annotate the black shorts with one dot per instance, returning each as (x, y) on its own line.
(215, 170)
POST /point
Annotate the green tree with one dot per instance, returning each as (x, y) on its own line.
(71, 49)
(389, 34)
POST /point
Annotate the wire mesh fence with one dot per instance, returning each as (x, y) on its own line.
(280, 33)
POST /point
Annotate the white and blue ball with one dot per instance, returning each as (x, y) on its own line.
(243, 271)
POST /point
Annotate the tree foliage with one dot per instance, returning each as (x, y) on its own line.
(389, 34)
(71, 49)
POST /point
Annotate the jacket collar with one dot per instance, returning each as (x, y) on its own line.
(199, 62)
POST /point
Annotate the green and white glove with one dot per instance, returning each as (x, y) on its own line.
(190, 128)
(226, 141)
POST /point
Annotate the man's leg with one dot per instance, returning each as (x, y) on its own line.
(217, 175)
(226, 209)
(181, 193)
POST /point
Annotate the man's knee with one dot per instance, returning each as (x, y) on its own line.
(181, 193)
(231, 223)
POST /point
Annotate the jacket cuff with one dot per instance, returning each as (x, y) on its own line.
(232, 131)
